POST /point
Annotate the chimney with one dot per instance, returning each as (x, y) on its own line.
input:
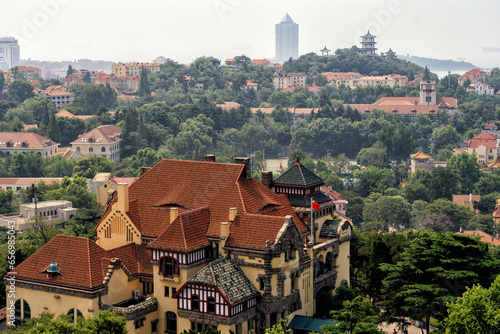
(232, 214)
(209, 158)
(244, 161)
(267, 179)
(174, 212)
(144, 170)
(122, 189)
(461, 229)
(224, 231)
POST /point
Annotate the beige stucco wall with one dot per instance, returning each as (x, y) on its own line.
(343, 262)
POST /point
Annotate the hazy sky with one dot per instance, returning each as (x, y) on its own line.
(184, 30)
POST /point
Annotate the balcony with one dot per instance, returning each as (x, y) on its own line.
(327, 279)
(134, 308)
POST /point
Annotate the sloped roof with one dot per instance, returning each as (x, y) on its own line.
(329, 229)
(32, 140)
(186, 233)
(228, 277)
(368, 35)
(485, 237)
(101, 134)
(306, 201)
(489, 143)
(464, 200)
(494, 164)
(136, 258)
(287, 19)
(485, 135)
(192, 185)
(420, 155)
(298, 175)
(78, 259)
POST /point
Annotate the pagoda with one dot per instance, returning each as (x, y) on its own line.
(325, 51)
(368, 44)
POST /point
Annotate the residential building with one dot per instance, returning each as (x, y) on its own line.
(368, 44)
(466, 200)
(284, 80)
(423, 160)
(484, 146)
(16, 142)
(18, 183)
(248, 85)
(58, 95)
(28, 73)
(484, 237)
(128, 84)
(132, 69)
(105, 140)
(287, 39)
(49, 211)
(340, 204)
(107, 188)
(77, 77)
(9, 53)
(65, 113)
(97, 181)
(484, 89)
(475, 76)
(427, 103)
(496, 214)
(355, 79)
(192, 244)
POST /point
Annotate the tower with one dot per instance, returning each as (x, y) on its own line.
(287, 39)
(428, 92)
(9, 53)
(368, 44)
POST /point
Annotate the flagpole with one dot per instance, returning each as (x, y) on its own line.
(312, 222)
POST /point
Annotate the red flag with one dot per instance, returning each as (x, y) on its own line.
(315, 205)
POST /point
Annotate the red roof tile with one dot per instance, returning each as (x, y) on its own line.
(485, 237)
(191, 185)
(101, 134)
(33, 140)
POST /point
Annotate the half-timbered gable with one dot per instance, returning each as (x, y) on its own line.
(219, 292)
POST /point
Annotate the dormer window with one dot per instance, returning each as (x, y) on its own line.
(169, 266)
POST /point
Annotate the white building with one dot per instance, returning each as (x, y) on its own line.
(484, 89)
(9, 53)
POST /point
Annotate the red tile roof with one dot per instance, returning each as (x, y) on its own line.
(260, 61)
(485, 237)
(186, 233)
(464, 200)
(82, 263)
(31, 139)
(191, 185)
(228, 105)
(29, 180)
(475, 143)
(127, 180)
(474, 74)
(485, 135)
(496, 213)
(101, 134)
(78, 260)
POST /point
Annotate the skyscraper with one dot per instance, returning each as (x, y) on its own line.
(287, 39)
(9, 53)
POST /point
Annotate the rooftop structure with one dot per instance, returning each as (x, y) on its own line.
(368, 44)
(105, 140)
(15, 142)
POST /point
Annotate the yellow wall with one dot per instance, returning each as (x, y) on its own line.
(343, 263)
(122, 230)
(146, 328)
(119, 287)
(40, 301)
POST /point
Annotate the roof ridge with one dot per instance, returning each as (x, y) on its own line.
(89, 262)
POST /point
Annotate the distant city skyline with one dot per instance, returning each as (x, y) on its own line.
(184, 31)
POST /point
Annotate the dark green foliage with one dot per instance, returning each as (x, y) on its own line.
(355, 316)
(434, 270)
(20, 90)
(144, 87)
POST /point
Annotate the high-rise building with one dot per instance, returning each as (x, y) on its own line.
(9, 53)
(287, 39)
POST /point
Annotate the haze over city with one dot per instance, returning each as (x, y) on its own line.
(183, 31)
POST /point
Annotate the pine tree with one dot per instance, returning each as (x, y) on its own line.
(45, 123)
(54, 132)
(144, 87)
(86, 78)
(427, 74)
(70, 70)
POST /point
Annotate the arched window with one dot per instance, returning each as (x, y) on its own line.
(195, 303)
(169, 266)
(171, 322)
(74, 314)
(103, 149)
(211, 305)
(91, 149)
(78, 148)
(22, 312)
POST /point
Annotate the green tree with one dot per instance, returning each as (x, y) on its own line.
(373, 179)
(476, 311)
(487, 203)
(356, 316)
(70, 70)
(54, 132)
(144, 86)
(2, 83)
(20, 90)
(434, 270)
(467, 168)
(458, 215)
(446, 136)
(86, 78)
(388, 212)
